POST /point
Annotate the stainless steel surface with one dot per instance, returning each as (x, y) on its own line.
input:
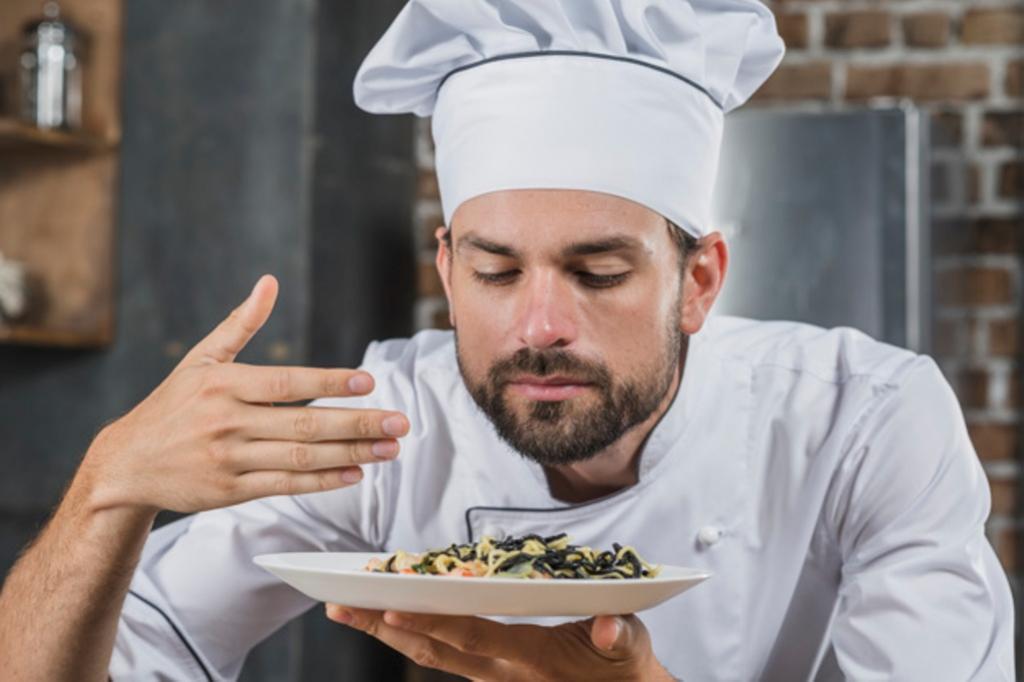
(50, 72)
(825, 216)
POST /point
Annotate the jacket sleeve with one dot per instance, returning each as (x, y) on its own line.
(198, 604)
(922, 594)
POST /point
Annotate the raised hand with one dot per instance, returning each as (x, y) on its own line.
(209, 436)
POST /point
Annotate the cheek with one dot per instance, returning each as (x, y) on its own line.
(480, 332)
(631, 343)
(485, 315)
(477, 313)
(636, 322)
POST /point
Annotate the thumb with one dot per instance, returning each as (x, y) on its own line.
(228, 339)
(617, 636)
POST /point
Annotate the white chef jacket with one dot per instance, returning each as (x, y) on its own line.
(826, 480)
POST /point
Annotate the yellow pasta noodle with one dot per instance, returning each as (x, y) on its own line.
(529, 557)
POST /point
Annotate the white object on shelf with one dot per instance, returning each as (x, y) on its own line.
(13, 289)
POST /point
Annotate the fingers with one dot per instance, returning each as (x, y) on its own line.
(317, 424)
(275, 455)
(421, 649)
(605, 631)
(618, 636)
(470, 635)
(269, 483)
(227, 340)
(257, 384)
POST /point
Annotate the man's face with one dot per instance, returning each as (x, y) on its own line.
(566, 306)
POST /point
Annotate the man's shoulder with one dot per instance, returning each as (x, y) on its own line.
(833, 355)
(421, 364)
(426, 349)
(404, 369)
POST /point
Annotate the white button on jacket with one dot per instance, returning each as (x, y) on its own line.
(824, 479)
(709, 535)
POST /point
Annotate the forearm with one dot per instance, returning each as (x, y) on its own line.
(60, 604)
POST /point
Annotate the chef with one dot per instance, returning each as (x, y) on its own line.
(824, 479)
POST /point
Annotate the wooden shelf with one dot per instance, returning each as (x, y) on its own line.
(39, 336)
(58, 189)
(17, 135)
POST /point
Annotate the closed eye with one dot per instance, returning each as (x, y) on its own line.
(496, 278)
(601, 281)
(588, 279)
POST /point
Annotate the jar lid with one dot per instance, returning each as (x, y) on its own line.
(53, 21)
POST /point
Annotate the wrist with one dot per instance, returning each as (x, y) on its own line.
(114, 530)
(102, 488)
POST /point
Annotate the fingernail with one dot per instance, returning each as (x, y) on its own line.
(384, 448)
(360, 383)
(394, 425)
(618, 631)
(352, 475)
(394, 619)
(341, 615)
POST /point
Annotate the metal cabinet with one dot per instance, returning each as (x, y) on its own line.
(826, 219)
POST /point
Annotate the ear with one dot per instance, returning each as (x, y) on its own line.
(705, 274)
(444, 269)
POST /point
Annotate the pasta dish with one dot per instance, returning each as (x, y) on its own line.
(529, 557)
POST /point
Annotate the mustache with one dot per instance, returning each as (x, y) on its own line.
(546, 362)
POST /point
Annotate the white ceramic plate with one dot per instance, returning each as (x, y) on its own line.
(339, 577)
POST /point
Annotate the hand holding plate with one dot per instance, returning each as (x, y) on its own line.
(602, 648)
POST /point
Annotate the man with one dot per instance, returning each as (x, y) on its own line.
(824, 479)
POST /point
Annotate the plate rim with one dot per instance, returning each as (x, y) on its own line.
(262, 559)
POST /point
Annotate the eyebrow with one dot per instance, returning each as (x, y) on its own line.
(575, 249)
(474, 242)
(602, 246)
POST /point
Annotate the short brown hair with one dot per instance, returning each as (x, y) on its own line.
(685, 242)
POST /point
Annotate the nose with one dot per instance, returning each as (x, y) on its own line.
(548, 318)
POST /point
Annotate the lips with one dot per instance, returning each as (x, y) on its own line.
(550, 388)
(549, 381)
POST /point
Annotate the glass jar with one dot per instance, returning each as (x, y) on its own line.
(50, 72)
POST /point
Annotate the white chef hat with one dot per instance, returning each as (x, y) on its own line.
(625, 97)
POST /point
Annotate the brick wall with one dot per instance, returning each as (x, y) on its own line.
(964, 63)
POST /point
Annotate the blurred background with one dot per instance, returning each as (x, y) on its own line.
(218, 141)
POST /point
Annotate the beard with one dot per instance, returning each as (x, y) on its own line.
(556, 433)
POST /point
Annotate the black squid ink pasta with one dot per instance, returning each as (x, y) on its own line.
(529, 557)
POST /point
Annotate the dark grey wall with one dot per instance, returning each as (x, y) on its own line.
(363, 261)
(362, 200)
(242, 154)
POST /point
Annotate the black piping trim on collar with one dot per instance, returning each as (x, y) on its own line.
(574, 53)
(469, 523)
(174, 627)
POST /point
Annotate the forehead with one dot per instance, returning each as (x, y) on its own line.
(550, 217)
